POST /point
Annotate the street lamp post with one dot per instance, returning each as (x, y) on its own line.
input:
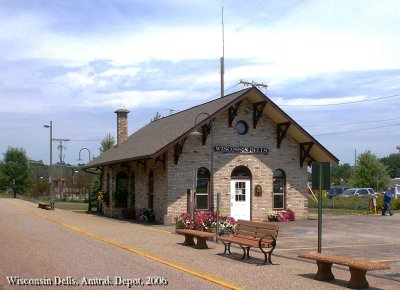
(81, 151)
(195, 132)
(51, 157)
(90, 195)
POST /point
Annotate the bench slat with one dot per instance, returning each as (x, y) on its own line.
(255, 234)
(257, 225)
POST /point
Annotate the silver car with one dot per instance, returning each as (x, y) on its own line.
(358, 192)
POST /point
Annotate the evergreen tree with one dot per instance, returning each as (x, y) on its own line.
(156, 117)
(107, 143)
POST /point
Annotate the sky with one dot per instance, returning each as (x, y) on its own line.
(333, 66)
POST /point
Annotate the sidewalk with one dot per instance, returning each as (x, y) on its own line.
(160, 242)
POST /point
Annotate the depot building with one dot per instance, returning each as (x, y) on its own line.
(241, 147)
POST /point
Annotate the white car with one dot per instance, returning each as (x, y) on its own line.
(358, 192)
(395, 191)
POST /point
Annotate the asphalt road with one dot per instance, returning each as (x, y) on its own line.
(68, 248)
(34, 248)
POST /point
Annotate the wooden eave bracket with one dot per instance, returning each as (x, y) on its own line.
(144, 163)
(162, 158)
(232, 112)
(178, 148)
(258, 108)
(281, 130)
(205, 130)
(305, 149)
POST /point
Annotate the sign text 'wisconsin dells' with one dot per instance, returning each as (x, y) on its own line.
(245, 150)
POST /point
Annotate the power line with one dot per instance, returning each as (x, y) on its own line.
(359, 130)
(85, 140)
(344, 103)
(350, 123)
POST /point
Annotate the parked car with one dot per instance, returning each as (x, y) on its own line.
(358, 192)
(335, 191)
(395, 191)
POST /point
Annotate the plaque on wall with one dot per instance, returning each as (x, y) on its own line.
(258, 190)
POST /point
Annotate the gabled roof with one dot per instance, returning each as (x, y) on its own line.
(158, 136)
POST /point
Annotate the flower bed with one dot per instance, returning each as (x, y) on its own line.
(204, 221)
(145, 215)
(281, 215)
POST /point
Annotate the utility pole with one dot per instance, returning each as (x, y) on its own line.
(398, 148)
(222, 60)
(51, 158)
(60, 148)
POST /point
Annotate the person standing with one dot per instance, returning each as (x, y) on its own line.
(387, 197)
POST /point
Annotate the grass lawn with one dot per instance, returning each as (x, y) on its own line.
(338, 211)
(72, 206)
(3, 194)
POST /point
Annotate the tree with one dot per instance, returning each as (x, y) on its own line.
(15, 171)
(156, 117)
(369, 172)
(392, 163)
(107, 143)
(340, 174)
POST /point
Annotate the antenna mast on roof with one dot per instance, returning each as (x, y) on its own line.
(253, 84)
(223, 52)
(171, 111)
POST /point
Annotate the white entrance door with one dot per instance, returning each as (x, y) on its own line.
(240, 199)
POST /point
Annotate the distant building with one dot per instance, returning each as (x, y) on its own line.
(260, 160)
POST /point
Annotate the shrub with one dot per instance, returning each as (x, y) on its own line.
(145, 215)
(281, 215)
(204, 221)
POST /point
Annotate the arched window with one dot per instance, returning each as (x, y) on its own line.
(122, 189)
(241, 172)
(132, 188)
(150, 187)
(279, 187)
(202, 189)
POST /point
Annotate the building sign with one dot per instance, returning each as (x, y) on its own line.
(245, 150)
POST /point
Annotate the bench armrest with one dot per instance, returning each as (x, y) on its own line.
(273, 242)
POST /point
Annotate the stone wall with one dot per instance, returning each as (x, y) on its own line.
(286, 158)
(171, 184)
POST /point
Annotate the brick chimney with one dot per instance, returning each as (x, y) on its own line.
(122, 125)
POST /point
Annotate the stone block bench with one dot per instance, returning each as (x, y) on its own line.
(248, 234)
(358, 268)
(200, 236)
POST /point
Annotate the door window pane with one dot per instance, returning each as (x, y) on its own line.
(240, 191)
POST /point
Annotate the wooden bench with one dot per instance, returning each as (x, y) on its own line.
(200, 236)
(358, 268)
(248, 234)
(46, 205)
